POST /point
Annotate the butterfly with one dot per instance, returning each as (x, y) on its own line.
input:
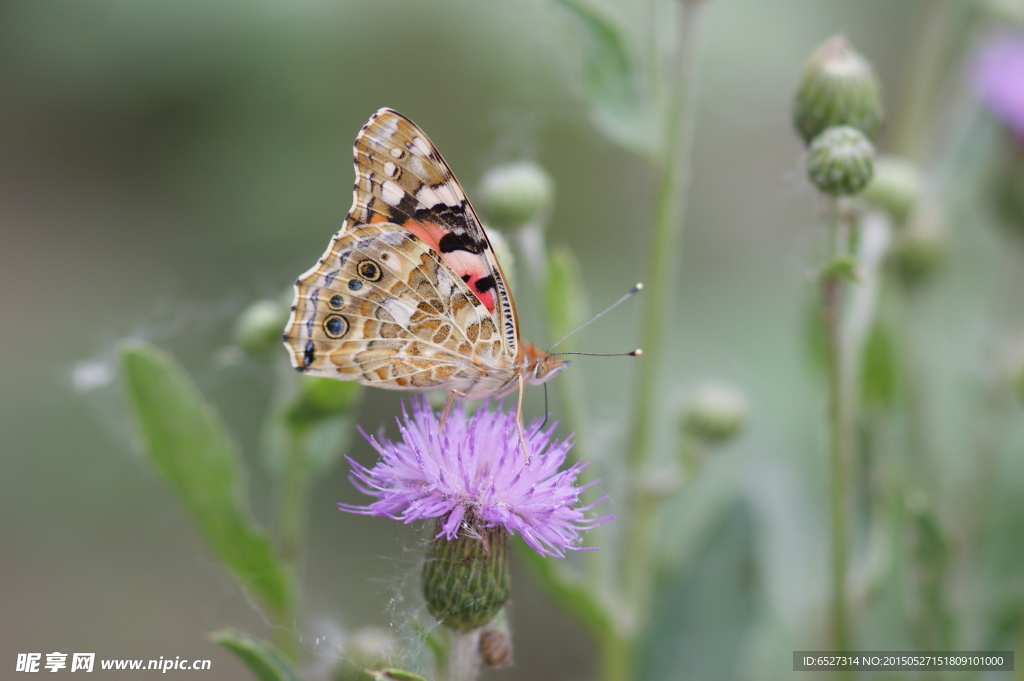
(410, 294)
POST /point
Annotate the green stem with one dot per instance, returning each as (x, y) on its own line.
(291, 524)
(675, 171)
(926, 66)
(664, 273)
(840, 417)
(463, 655)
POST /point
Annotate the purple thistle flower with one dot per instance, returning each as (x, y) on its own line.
(476, 471)
(997, 73)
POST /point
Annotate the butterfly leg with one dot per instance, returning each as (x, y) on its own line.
(448, 407)
(519, 418)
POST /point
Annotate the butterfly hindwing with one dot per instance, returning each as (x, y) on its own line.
(382, 307)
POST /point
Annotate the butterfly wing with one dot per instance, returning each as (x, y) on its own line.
(401, 178)
(382, 307)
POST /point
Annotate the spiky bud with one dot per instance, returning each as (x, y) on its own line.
(516, 194)
(840, 161)
(716, 413)
(838, 87)
(258, 328)
(466, 579)
(895, 187)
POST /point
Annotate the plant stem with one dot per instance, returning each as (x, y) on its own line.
(291, 523)
(840, 417)
(674, 167)
(927, 63)
(463, 655)
(664, 273)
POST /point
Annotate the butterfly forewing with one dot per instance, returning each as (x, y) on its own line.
(409, 294)
(402, 178)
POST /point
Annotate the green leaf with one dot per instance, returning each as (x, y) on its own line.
(612, 80)
(1020, 386)
(563, 294)
(186, 441)
(841, 268)
(570, 591)
(880, 367)
(395, 675)
(263, 660)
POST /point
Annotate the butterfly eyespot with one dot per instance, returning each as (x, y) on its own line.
(336, 302)
(335, 326)
(369, 270)
(355, 284)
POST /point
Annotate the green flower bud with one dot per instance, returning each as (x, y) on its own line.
(466, 580)
(920, 248)
(716, 413)
(371, 648)
(258, 328)
(838, 87)
(516, 194)
(840, 161)
(895, 187)
(320, 398)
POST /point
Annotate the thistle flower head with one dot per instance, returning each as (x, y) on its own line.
(997, 74)
(475, 472)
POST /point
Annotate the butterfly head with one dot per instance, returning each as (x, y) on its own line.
(538, 366)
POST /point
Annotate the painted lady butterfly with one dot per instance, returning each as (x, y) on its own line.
(410, 295)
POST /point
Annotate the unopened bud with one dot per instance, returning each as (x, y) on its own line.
(258, 328)
(840, 161)
(895, 187)
(838, 87)
(466, 580)
(920, 248)
(516, 194)
(716, 413)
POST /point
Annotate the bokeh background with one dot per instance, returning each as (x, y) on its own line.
(163, 164)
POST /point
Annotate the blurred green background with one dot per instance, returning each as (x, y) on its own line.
(162, 164)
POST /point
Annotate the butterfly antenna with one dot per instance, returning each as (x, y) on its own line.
(632, 353)
(629, 294)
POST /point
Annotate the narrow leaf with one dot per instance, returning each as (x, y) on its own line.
(395, 675)
(611, 79)
(263, 660)
(880, 367)
(186, 441)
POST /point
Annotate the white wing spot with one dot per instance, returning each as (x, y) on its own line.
(446, 193)
(422, 145)
(390, 169)
(400, 310)
(427, 197)
(392, 193)
(396, 152)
